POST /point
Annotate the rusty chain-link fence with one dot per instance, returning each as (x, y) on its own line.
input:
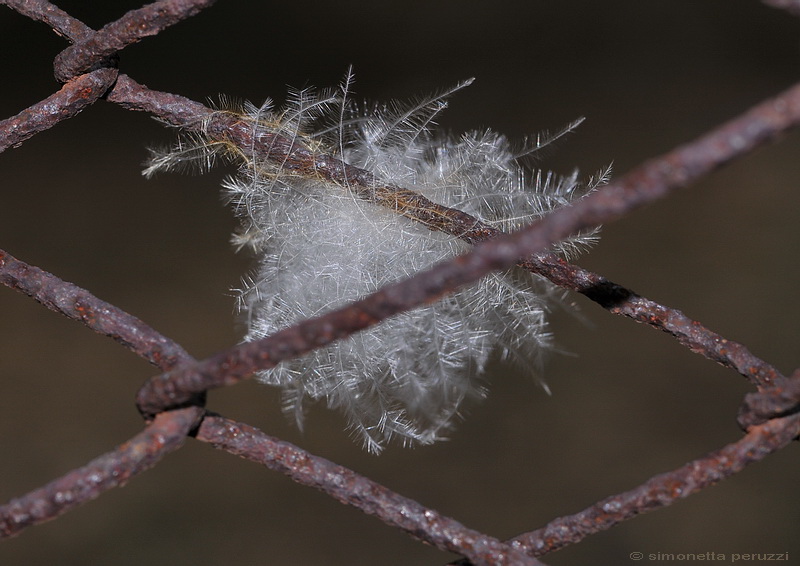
(91, 73)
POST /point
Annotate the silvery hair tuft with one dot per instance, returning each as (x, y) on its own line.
(320, 244)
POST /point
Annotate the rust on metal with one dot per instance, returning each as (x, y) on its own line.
(356, 490)
(770, 415)
(99, 49)
(664, 489)
(102, 317)
(114, 469)
(73, 97)
(61, 22)
(615, 298)
(780, 399)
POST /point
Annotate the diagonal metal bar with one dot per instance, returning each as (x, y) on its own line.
(653, 180)
(102, 317)
(173, 109)
(690, 333)
(130, 28)
(165, 434)
(180, 111)
(664, 489)
(71, 99)
(353, 489)
(61, 22)
(240, 439)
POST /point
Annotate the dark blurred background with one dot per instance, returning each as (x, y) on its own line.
(627, 402)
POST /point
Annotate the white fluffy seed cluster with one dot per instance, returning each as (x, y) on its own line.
(319, 246)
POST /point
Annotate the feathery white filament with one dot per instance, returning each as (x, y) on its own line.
(320, 246)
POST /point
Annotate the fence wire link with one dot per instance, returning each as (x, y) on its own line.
(231, 436)
(165, 434)
(73, 97)
(172, 402)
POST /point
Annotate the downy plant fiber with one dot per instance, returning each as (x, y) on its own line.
(319, 245)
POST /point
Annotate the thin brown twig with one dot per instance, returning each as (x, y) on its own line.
(165, 434)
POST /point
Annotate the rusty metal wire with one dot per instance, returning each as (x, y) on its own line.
(768, 415)
(653, 180)
(183, 112)
(165, 434)
(61, 22)
(80, 305)
(353, 489)
(130, 28)
(780, 399)
(613, 297)
(162, 437)
(73, 97)
(662, 490)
